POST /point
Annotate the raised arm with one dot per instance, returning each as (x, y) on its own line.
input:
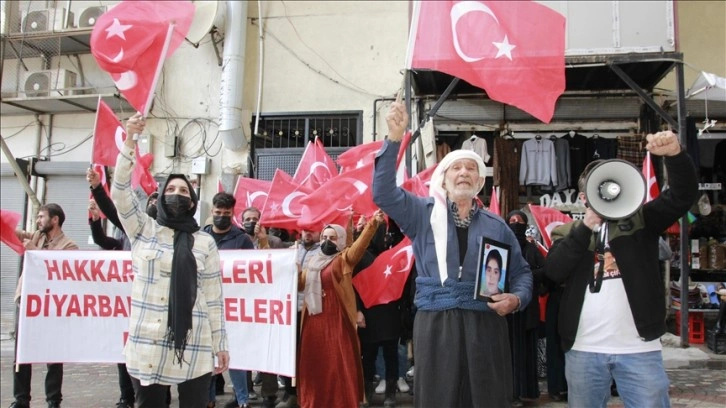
(103, 201)
(131, 214)
(354, 253)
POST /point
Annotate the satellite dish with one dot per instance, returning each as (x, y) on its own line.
(206, 16)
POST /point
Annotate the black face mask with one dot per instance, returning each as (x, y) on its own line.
(177, 204)
(152, 211)
(328, 247)
(249, 227)
(222, 221)
(519, 230)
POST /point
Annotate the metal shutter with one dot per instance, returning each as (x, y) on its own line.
(12, 199)
(72, 194)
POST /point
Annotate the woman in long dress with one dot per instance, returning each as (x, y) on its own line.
(330, 372)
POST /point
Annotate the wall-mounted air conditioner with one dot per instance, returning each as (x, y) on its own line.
(45, 20)
(88, 16)
(56, 82)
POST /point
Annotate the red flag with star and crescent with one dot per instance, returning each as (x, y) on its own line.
(547, 219)
(315, 167)
(514, 50)
(383, 281)
(358, 156)
(333, 201)
(132, 40)
(108, 136)
(9, 221)
(250, 192)
(283, 206)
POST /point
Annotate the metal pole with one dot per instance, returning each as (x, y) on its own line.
(685, 267)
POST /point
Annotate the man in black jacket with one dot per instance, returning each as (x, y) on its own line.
(227, 236)
(611, 319)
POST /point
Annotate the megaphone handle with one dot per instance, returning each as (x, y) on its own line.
(601, 246)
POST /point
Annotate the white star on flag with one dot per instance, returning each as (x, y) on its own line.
(275, 207)
(504, 48)
(387, 272)
(117, 29)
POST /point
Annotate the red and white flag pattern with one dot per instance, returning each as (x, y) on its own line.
(132, 40)
(383, 281)
(649, 173)
(514, 50)
(547, 219)
(283, 205)
(494, 203)
(316, 167)
(108, 135)
(250, 192)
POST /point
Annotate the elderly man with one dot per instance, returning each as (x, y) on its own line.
(457, 338)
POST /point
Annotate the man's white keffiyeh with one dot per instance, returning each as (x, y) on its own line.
(439, 220)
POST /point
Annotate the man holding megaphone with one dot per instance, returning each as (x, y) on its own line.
(612, 314)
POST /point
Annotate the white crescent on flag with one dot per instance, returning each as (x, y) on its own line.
(458, 11)
(287, 201)
(125, 80)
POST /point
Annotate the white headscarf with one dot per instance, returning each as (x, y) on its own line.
(439, 220)
(313, 292)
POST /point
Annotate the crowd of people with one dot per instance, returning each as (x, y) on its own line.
(467, 352)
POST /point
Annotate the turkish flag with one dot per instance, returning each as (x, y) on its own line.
(131, 41)
(333, 201)
(101, 170)
(315, 167)
(402, 150)
(649, 173)
(383, 281)
(514, 50)
(142, 176)
(359, 156)
(542, 250)
(250, 192)
(494, 203)
(283, 205)
(419, 184)
(108, 136)
(547, 219)
(220, 186)
(8, 224)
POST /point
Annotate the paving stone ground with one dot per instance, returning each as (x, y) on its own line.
(699, 383)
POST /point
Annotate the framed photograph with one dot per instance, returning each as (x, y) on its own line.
(492, 267)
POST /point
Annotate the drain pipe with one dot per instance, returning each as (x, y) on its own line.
(233, 64)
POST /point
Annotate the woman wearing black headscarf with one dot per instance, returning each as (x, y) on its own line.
(176, 325)
(523, 325)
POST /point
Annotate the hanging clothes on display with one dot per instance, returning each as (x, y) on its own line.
(602, 148)
(539, 164)
(478, 145)
(507, 154)
(562, 154)
(632, 149)
(578, 155)
(442, 149)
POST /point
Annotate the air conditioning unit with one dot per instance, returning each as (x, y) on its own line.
(45, 20)
(57, 82)
(89, 16)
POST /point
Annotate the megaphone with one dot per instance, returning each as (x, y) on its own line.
(615, 189)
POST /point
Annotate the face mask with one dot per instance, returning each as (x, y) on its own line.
(222, 221)
(249, 227)
(328, 247)
(152, 211)
(519, 230)
(177, 204)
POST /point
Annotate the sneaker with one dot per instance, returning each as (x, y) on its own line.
(280, 382)
(402, 385)
(381, 388)
(252, 396)
(409, 374)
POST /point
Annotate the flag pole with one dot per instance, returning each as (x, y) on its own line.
(95, 123)
(157, 74)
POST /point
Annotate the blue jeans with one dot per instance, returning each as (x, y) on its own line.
(402, 362)
(640, 378)
(239, 384)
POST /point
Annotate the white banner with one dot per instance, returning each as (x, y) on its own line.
(75, 307)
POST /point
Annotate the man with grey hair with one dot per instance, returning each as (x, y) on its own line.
(456, 337)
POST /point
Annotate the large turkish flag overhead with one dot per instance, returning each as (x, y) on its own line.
(514, 50)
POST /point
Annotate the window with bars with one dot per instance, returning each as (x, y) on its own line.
(335, 129)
